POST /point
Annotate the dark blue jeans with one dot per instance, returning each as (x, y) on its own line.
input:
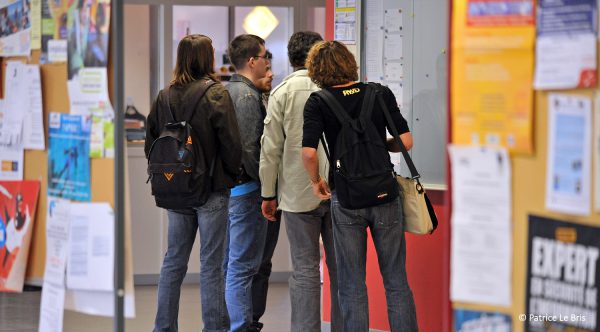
(260, 283)
(350, 242)
(211, 220)
(247, 235)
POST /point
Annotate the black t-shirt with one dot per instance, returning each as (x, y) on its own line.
(318, 118)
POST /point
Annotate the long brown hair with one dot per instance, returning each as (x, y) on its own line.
(195, 59)
(330, 63)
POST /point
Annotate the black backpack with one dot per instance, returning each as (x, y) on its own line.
(178, 170)
(363, 173)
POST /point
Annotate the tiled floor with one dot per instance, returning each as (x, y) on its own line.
(19, 312)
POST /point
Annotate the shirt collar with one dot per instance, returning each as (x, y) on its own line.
(245, 80)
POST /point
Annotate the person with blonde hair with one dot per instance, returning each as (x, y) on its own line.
(333, 68)
(215, 131)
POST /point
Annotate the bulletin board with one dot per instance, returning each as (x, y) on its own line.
(403, 49)
(528, 192)
(55, 99)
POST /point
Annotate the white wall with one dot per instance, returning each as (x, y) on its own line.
(137, 56)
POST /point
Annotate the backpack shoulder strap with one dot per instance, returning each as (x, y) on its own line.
(170, 115)
(366, 109)
(411, 166)
(334, 105)
(189, 105)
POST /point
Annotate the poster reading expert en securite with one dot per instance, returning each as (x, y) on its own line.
(562, 277)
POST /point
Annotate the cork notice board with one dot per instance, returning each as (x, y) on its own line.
(55, 99)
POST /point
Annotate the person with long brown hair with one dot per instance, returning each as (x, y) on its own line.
(333, 68)
(215, 132)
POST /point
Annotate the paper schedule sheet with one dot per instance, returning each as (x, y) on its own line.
(91, 247)
(481, 225)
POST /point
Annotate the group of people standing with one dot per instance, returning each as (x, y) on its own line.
(268, 160)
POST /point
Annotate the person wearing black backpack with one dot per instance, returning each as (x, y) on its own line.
(205, 159)
(364, 192)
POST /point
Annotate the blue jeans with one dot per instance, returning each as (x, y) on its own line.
(211, 220)
(350, 239)
(247, 235)
(260, 282)
(303, 231)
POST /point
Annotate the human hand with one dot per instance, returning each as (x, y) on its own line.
(321, 189)
(269, 208)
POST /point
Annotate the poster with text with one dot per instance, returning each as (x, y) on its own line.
(562, 276)
(566, 44)
(68, 157)
(54, 26)
(15, 27)
(18, 203)
(569, 162)
(481, 321)
(492, 70)
(87, 34)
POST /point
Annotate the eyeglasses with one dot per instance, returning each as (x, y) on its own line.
(267, 56)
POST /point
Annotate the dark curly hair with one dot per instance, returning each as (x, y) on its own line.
(299, 45)
(330, 63)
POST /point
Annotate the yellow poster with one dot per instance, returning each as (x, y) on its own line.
(492, 73)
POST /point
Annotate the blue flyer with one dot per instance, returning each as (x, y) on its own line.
(68, 156)
(474, 321)
(566, 17)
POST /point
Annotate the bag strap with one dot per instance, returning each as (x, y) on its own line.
(334, 105)
(166, 92)
(188, 108)
(411, 166)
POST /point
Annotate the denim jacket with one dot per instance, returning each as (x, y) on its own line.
(250, 113)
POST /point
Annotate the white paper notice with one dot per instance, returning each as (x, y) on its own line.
(57, 50)
(393, 19)
(393, 71)
(91, 247)
(597, 153)
(564, 62)
(52, 308)
(374, 15)
(374, 55)
(481, 225)
(393, 47)
(57, 240)
(33, 122)
(99, 303)
(568, 179)
(11, 163)
(398, 92)
(14, 105)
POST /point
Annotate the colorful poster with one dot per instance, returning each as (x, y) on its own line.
(87, 34)
(566, 44)
(54, 24)
(18, 203)
(569, 162)
(88, 95)
(68, 157)
(480, 321)
(492, 70)
(562, 277)
(15, 27)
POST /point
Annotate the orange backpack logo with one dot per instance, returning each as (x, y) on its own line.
(169, 176)
(189, 140)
